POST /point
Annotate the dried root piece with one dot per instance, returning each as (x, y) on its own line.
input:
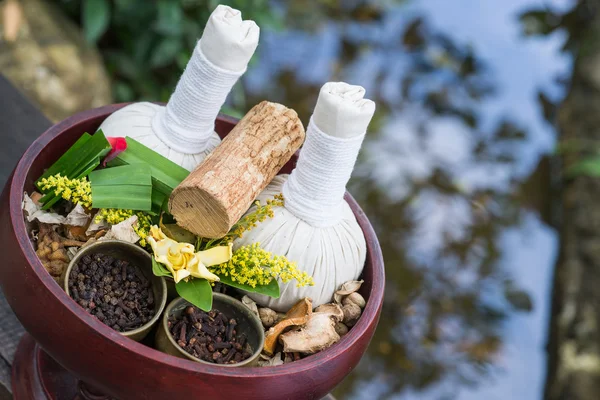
(297, 315)
(76, 233)
(318, 334)
(332, 309)
(51, 250)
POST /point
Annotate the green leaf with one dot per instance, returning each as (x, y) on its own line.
(196, 291)
(125, 175)
(95, 18)
(166, 175)
(61, 164)
(271, 290)
(126, 187)
(83, 157)
(170, 18)
(124, 197)
(160, 270)
(165, 52)
(589, 167)
(158, 200)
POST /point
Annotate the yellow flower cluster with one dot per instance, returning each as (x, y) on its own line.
(113, 216)
(77, 191)
(252, 265)
(249, 221)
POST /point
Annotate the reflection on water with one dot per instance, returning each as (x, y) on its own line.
(445, 179)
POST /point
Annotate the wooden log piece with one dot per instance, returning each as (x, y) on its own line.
(218, 192)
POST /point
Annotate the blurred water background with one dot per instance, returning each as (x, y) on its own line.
(454, 173)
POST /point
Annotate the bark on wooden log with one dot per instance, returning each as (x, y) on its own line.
(216, 194)
(574, 346)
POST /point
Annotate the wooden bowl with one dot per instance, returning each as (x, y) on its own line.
(129, 370)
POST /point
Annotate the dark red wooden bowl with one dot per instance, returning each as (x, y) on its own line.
(128, 370)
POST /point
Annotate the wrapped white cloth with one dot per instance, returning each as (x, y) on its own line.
(317, 228)
(183, 131)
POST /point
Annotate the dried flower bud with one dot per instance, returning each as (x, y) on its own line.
(267, 316)
(341, 329)
(351, 314)
(355, 298)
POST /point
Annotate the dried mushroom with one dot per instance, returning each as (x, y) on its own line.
(297, 315)
(332, 309)
(318, 334)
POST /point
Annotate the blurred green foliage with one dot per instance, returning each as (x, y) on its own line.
(147, 44)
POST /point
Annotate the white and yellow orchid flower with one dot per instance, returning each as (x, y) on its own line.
(181, 260)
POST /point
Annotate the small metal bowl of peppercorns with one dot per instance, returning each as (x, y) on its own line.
(113, 281)
(229, 335)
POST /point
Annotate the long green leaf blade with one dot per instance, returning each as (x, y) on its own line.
(166, 175)
(127, 197)
(125, 175)
(125, 187)
(67, 158)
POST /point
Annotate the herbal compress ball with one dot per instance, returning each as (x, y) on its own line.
(316, 228)
(183, 131)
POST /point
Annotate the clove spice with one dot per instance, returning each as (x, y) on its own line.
(112, 290)
(209, 336)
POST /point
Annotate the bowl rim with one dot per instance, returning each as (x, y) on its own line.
(369, 316)
(132, 247)
(178, 300)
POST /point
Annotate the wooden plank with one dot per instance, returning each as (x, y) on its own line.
(20, 124)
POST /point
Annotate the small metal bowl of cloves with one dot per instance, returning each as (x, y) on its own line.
(229, 335)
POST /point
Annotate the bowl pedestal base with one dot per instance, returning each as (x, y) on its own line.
(36, 376)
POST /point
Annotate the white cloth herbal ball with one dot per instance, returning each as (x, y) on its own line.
(316, 228)
(183, 131)
(331, 255)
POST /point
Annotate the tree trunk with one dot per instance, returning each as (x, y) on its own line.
(574, 347)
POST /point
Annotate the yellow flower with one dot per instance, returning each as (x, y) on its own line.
(180, 258)
(77, 191)
(113, 216)
(254, 266)
(250, 220)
